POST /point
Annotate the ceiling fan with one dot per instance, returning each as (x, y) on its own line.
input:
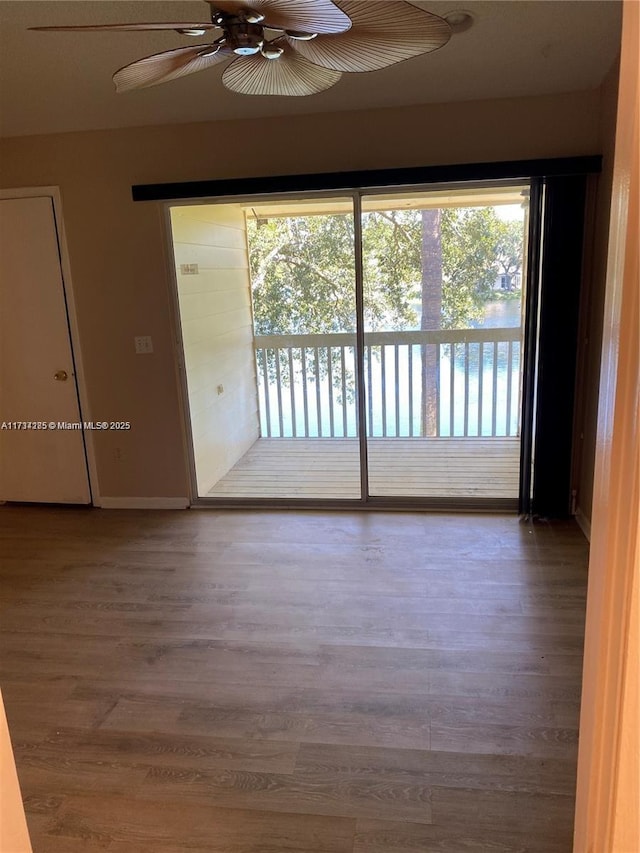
(286, 47)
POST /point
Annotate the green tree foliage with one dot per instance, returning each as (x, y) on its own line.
(470, 252)
(392, 267)
(302, 272)
(509, 247)
(302, 269)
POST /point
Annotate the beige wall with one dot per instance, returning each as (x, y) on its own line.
(118, 253)
(217, 334)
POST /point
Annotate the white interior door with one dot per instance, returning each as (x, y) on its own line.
(37, 381)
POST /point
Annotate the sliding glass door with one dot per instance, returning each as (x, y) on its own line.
(443, 309)
(363, 348)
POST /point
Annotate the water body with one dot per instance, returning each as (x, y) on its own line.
(501, 314)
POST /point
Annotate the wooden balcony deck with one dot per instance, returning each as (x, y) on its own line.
(398, 467)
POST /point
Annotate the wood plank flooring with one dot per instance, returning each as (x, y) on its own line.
(290, 682)
(398, 467)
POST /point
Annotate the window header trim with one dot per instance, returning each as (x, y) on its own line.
(369, 179)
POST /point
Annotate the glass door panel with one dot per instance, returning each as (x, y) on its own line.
(269, 327)
(443, 276)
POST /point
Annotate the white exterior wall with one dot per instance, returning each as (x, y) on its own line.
(217, 330)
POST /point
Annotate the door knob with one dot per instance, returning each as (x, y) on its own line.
(61, 375)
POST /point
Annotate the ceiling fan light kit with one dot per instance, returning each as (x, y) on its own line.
(270, 51)
(244, 38)
(296, 35)
(194, 31)
(314, 43)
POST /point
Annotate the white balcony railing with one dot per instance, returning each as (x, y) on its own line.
(468, 379)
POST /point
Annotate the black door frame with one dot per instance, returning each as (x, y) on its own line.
(554, 274)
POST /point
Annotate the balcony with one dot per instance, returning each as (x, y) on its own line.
(442, 417)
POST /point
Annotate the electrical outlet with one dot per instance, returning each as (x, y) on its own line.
(220, 390)
(189, 269)
(143, 344)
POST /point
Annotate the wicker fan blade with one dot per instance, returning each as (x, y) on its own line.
(135, 27)
(168, 65)
(382, 34)
(289, 75)
(319, 16)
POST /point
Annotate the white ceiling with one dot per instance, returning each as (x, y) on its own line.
(57, 82)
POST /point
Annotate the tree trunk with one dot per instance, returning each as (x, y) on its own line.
(430, 319)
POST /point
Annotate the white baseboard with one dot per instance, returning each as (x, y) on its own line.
(142, 503)
(583, 523)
